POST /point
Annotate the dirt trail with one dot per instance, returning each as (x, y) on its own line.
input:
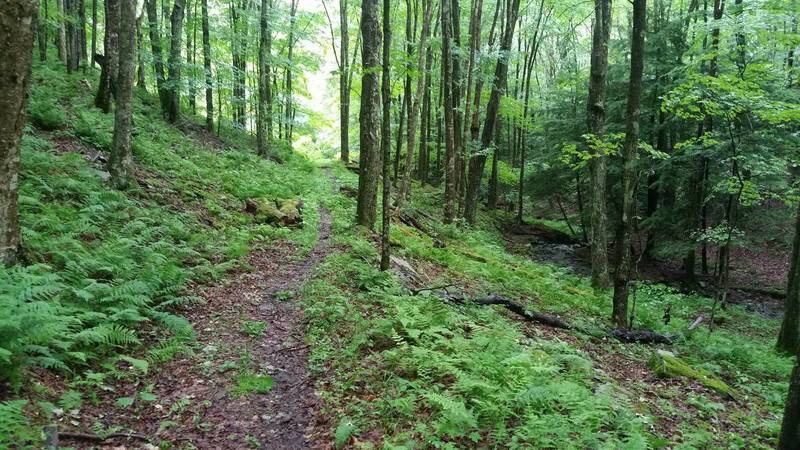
(282, 351)
(197, 400)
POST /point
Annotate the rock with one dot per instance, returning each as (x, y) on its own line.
(280, 212)
(666, 365)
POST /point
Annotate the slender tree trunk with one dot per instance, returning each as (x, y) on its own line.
(369, 156)
(595, 118)
(94, 32)
(158, 59)
(450, 175)
(62, 32)
(386, 135)
(289, 109)
(174, 84)
(478, 162)
(790, 53)
(191, 26)
(18, 22)
(209, 81)
(120, 162)
(262, 137)
(401, 121)
(41, 34)
(110, 60)
(344, 84)
(411, 137)
(423, 163)
(141, 80)
(622, 275)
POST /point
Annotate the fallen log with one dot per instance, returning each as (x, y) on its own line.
(495, 299)
(628, 336)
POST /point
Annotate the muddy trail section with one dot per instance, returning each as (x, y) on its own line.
(245, 384)
(756, 290)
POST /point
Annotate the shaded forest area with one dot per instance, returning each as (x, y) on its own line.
(399, 224)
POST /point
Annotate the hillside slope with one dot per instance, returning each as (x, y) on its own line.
(171, 312)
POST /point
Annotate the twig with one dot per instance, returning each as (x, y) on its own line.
(98, 438)
(435, 288)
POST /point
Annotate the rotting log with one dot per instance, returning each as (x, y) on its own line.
(628, 336)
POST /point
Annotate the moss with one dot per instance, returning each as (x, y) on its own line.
(667, 365)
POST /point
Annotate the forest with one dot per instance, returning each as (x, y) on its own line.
(399, 224)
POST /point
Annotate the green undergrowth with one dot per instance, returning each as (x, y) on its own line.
(104, 270)
(421, 373)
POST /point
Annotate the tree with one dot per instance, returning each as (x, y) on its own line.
(449, 92)
(207, 69)
(288, 110)
(18, 19)
(158, 58)
(109, 62)
(262, 133)
(174, 83)
(478, 162)
(789, 336)
(595, 118)
(622, 274)
(369, 157)
(345, 82)
(386, 135)
(120, 162)
(790, 428)
(415, 102)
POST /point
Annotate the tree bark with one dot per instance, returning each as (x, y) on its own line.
(94, 32)
(110, 61)
(622, 275)
(120, 162)
(41, 34)
(369, 156)
(478, 162)
(158, 58)
(789, 336)
(174, 84)
(141, 74)
(18, 22)
(790, 429)
(62, 32)
(386, 135)
(262, 136)
(344, 84)
(411, 138)
(595, 119)
(448, 93)
(71, 9)
(289, 108)
(207, 69)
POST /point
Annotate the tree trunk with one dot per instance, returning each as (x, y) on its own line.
(191, 26)
(158, 59)
(789, 336)
(386, 135)
(369, 158)
(790, 429)
(120, 162)
(344, 84)
(18, 23)
(207, 69)
(450, 175)
(41, 34)
(141, 80)
(110, 61)
(62, 31)
(622, 275)
(262, 137)
(174, 84)
(411, 138)
(289, 108)
(94, 32)
(72, 33)
(595, 119)
(423, 161)
(478, 162)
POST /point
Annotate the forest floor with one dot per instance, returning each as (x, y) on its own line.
(297, 340)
